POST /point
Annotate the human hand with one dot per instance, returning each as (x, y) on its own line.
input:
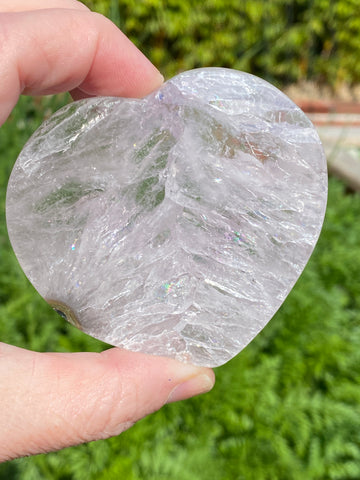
(53, 400)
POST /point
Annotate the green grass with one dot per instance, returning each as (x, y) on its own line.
(287, 407)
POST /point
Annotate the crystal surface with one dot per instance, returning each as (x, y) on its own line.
(174, 225)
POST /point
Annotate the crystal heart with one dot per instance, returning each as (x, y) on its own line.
(174, 225)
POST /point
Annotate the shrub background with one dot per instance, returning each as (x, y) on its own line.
(288, 406)
(280, 40)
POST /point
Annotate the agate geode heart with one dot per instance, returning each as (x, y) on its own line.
(173, 225)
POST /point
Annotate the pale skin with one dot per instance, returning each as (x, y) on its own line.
(49, 401)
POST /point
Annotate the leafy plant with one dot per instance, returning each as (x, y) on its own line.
(280, 40)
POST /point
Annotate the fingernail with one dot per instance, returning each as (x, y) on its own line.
(194, 386)
(159, 79)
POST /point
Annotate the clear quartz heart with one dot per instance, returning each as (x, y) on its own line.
(174, 225)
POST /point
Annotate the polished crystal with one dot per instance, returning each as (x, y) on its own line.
(174, 225)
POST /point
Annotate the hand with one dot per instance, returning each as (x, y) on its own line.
(54, 400)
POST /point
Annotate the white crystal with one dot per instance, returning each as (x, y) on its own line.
(174, 225)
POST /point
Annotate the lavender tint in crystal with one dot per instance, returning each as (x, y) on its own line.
(174, 225)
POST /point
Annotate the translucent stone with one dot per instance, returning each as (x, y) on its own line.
(174, 225)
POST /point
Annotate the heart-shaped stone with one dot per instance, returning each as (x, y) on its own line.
(173, 225)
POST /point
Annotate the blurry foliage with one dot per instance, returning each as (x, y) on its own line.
(280, 40)
(288, 407)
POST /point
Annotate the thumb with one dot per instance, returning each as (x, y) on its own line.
(54, 50)
(55, 400)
